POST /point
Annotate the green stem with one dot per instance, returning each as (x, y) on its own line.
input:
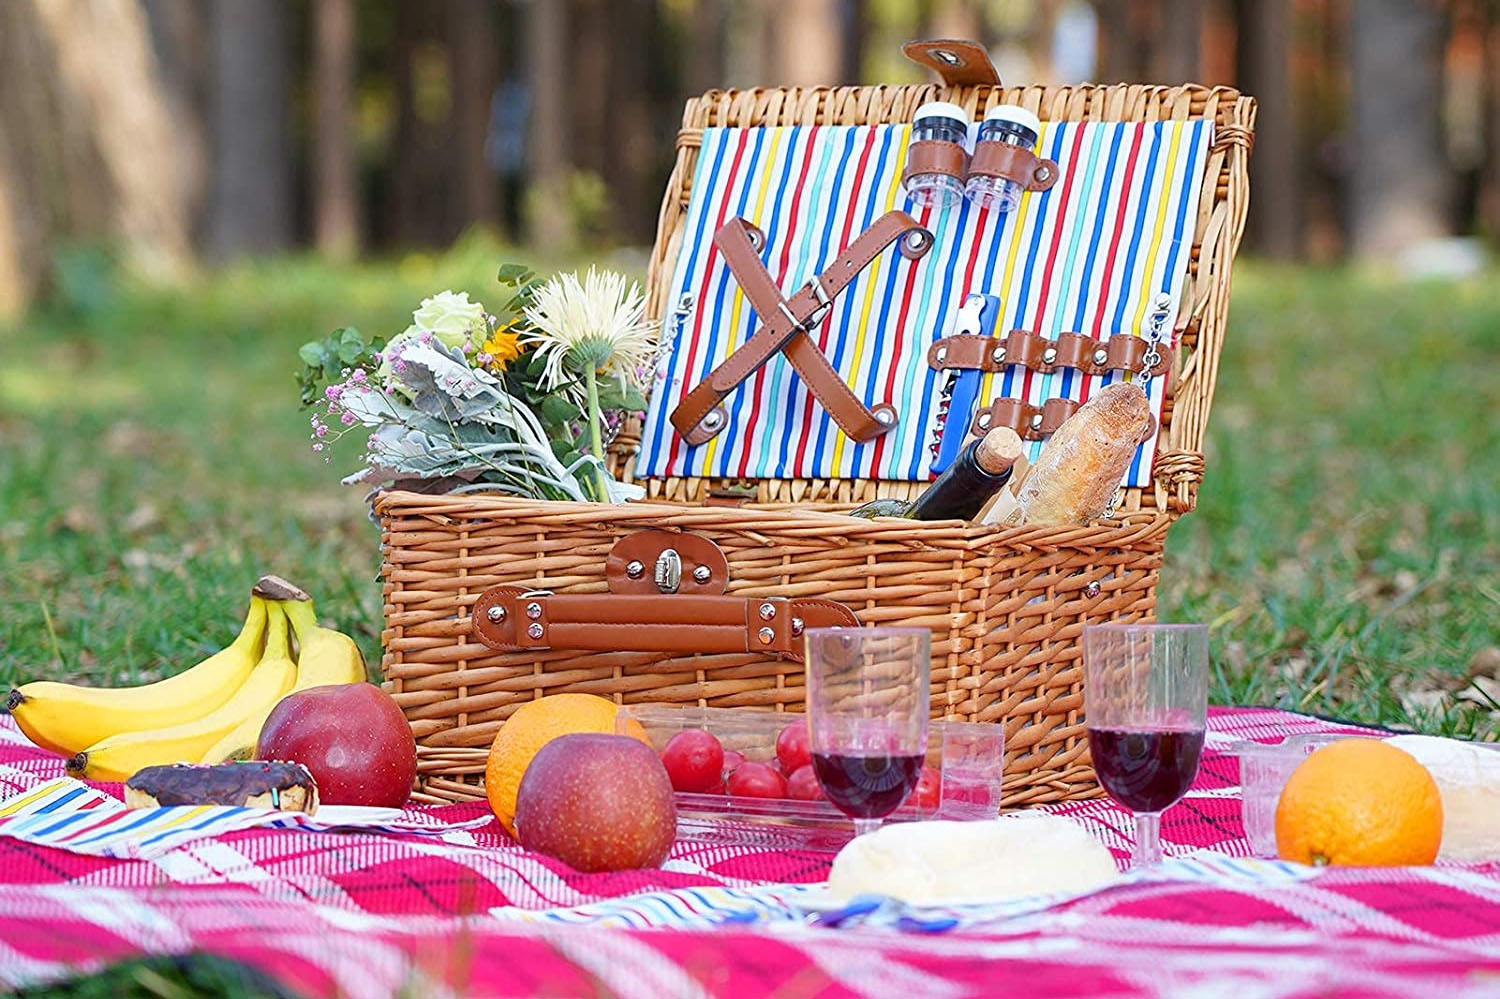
(596, 433)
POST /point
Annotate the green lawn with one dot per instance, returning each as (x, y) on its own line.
(153, 462)
(1346, 549)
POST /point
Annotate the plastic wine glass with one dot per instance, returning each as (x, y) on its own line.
(1145, 699)
(867, 708)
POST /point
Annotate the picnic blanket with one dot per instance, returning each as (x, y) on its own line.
(459, 909)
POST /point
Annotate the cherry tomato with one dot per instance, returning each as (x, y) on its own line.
(928, 793)
(756, 780)
(792, 747)
(694, 760)
(732, 761)
(803, 785)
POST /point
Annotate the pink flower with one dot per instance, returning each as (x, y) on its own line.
(322, 431)
(347, 419)
(358, 377)
(332, 392)
(317, 447)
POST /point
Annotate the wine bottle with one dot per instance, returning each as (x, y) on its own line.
(978, 472)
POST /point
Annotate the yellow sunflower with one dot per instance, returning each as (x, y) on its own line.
(503, 346)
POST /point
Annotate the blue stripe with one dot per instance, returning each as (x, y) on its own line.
(1086, 289)
(149, 816)
(1012, 372)
(214, 816)
(63, 823)
(782, 181)
(851, 293)
(718, 139)
(895, 265)
(945, 309)
(798, 390)
(724, 280)
(57, 803)
(1128, 278)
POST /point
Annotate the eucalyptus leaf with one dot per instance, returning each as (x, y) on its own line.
(312, 354)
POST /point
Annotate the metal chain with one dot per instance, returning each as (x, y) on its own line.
(1156, 326)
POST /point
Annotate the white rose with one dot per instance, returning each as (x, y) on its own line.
(449, 316)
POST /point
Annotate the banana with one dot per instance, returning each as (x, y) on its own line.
(65, 718)
(120, 756)
(324, 656)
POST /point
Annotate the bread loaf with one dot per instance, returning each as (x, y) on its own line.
(1080, 468)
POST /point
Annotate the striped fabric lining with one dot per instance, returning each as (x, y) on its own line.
(1089, 255)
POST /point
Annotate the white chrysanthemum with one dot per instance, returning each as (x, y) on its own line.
(590, 327)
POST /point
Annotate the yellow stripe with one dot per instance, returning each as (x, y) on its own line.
(987, 385)
(771, 167)
(1158, 230)
(51, 787)
(187, 817)
(864, 314)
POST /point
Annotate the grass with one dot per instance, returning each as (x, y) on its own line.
(1346, 548)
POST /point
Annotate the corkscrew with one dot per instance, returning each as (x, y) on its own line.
(979, 315)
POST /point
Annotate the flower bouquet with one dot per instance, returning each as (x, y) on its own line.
(523, 402)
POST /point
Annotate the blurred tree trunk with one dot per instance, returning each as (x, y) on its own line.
(335, 171)
(855, 15)
(1489, 181)
(1274, 225)
(1178, 55)
(950, 19)
(631, 137)
(1398, 181)
(1126, 41)
(706, 68)
(250, 205)
(93, 146)
(548, 76)
(472, 52)
(809, 44)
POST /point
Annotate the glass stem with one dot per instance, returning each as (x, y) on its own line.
(1147, 852)
(862, 826)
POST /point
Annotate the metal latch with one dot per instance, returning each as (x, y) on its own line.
(668, 571)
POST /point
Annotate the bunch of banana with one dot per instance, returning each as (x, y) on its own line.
(211, 711)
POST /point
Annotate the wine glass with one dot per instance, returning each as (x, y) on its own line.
(1145, 695)
(868, 707)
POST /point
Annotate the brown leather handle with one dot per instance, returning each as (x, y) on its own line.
(1070, 350)
(1032, 423)
(957, 61)
(518, 619)
(784, 325)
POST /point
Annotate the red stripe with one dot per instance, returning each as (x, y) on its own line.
(111, 817)
(890, 377)
(747, 431)
(1057, 230)
(859, 177)
(1114, 245)
(708, 269)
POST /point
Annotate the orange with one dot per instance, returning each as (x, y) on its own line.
(1360, 802)
(532, 726)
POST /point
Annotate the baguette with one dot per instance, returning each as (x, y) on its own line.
(1080, 468)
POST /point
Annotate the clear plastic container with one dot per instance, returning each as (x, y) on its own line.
(969, 757)
(1008, 125)
(938, 121)
(1264, 769)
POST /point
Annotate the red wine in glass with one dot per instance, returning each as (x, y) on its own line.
(1146, 769)
(867, 785)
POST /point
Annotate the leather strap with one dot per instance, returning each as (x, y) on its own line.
(784, 326)
(959, 63)
(681, 624)
(935, 156)
(1014, 163)
(1032, 423)
(1070, 350)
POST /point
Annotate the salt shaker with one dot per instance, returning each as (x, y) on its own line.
(938, 156)
(1004, 125)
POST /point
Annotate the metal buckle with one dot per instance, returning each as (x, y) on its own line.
(815, 284)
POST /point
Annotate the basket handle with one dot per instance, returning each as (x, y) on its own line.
(785, 323)
(959, 62)
(519, 619)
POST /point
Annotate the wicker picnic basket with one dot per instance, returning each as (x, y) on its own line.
(1005, 605)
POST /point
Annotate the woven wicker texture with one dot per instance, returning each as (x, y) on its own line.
(1006, 606)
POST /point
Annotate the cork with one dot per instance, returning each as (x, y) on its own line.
(998, 450)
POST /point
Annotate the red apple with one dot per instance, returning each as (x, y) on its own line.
(597, 803)
(351, 737)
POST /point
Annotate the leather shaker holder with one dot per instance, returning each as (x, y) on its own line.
(785, 324)
(1031, 423)
(666, 594)
(1070, 350)
(1014, 163)
(934, 156)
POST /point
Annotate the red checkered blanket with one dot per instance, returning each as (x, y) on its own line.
(470, 913)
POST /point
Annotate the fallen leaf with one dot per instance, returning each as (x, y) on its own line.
(1485, 662)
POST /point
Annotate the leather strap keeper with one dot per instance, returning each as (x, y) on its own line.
(1032, 423)
(530, 620)
(785, 324)
(1070, 350)
(1014, 163)
(934, 156)
(959, 63)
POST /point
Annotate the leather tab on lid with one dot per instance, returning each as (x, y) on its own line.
(960, 63)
